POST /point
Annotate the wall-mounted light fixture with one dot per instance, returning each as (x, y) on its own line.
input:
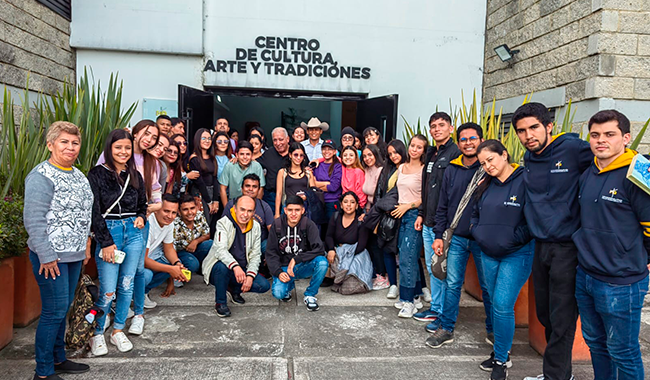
(505, 53)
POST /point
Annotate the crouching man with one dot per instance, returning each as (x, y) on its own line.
(295, 251)
(234, 259)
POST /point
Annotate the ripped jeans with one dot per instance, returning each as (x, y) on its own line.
(117, 279)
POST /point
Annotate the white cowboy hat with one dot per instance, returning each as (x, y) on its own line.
(315, 123)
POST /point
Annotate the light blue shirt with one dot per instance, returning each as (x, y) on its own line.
(313, 152)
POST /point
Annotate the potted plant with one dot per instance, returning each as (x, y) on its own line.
(7, 286)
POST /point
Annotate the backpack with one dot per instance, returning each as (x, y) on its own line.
(79, 329)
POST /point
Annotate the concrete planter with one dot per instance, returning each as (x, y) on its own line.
(537, 337)
(7, 301)
(27, 295)
(473, 288)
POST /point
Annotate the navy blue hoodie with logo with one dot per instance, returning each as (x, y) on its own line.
(614, 238)
(454, 183)
(498, 223)
(551, 178)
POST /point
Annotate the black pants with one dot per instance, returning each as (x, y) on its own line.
(554, 277)
(376, 255)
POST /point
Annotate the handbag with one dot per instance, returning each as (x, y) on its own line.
(83, 315)
(387, 227)
(439, 263)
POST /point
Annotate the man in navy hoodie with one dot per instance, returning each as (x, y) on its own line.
(454, 183)
(613, 244)
(553, 166)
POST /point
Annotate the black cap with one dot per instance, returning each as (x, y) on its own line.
(347, 131)
(329, 143)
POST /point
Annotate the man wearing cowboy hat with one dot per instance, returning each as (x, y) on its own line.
(314, 144)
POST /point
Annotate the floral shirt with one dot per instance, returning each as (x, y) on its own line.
(183, 235)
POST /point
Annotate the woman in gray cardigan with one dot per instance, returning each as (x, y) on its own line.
(57, 216)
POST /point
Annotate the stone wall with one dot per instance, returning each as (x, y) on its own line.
(592, 48)
(34, 40)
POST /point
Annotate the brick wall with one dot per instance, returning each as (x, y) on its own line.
(593, 48)
(36, 41)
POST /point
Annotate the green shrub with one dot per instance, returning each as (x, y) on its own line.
(13, 236)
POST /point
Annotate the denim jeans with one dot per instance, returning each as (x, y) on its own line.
(390, 261)
(409, 246)
(611, 319)
(56, 297)
(200, 253)
(504, 278)
(119, 277)
(437, 286)
(316, 269)
(223, 278)
(153, 279)
(139, 285)
(457, 257)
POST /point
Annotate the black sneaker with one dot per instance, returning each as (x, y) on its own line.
(311, 302)
(488, 364)
(71, 367)
(327, 282)
(499, 372)
(287, 298)
(51, 377)
(222, 310)
(440, 338)
(237, 298)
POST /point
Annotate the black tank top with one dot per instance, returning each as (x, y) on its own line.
(295, 185)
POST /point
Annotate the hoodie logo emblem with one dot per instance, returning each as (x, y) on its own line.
(613, 193)
(559, 169)
(513, 202)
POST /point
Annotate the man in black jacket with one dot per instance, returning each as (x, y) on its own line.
(437, 159)
(295, 250)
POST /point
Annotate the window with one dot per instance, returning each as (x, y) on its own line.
(60, 7)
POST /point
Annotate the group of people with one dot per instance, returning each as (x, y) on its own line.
(248, 217)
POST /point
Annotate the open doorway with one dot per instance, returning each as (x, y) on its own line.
(286, 109)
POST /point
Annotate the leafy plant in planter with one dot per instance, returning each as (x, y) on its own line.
(13, 237)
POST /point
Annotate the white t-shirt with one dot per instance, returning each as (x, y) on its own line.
(158, 235)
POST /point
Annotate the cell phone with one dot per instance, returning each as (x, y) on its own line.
(312, 164)
(118, 256)
(300, 193)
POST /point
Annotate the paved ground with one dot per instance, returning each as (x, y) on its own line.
(350, 337)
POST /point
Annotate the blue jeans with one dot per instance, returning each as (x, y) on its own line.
(269, 197)
(139, 285)
(223, 278)
(56, 297)
(611, 319)
(118, 277)
(316, 269)
(437, 286)
(153, 279)
(409, 246)
(390, 261)
(457, 257)
(504, 278)
(200, 253)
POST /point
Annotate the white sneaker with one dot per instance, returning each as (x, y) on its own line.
(122, 343)
(148, 303)
(427, 295)
(538, 377)
(417, 304)
(98, 345)
(130, 314)
(392, 292)
(137, 325)
(407, 310)
(178, 284)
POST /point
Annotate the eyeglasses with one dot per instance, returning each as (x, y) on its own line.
(182, 142)
(347, 138)
(222, 141)
(171, 152)
(206, 138)
(471, 139)
(298, 155)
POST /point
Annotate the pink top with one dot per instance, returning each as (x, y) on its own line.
(409, 186)
(369, 186)
(352, 180)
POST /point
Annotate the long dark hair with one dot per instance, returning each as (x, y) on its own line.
(150, 163)
(356, 198)
(379, 160)
(176, 165)
(258, 137)
(420, 137)
(294, 146)
(400, 149)
(215, 137)
(115, 135)
(335, 160)
(494, 146)
(199, 153)
(381, 144)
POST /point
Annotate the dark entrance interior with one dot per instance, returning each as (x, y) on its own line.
(201, 108)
